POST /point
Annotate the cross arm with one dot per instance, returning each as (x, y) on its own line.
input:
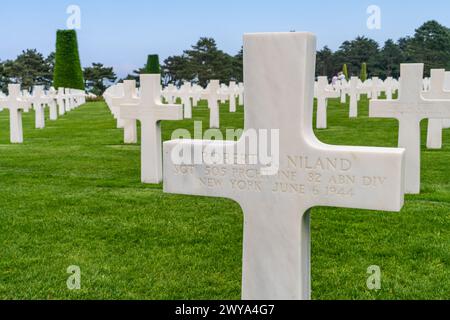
(185, 172)
(359, 177)
(362, 178)
(168, 112)
(435, 109)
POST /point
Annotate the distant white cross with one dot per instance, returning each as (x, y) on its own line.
(186, 94)
(355, 91)
(52, 104)
(15, 104)
(61, 101)
(129, 99)
(39, 100)
(212, 95)
(150, 111)
(436, 91)
(323, 94)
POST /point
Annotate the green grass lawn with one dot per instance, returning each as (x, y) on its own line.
(71, 195)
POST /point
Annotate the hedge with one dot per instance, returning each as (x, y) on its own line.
(152, 66)
(68, 72)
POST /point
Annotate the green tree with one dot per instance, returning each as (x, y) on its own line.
(29, 69)
(355, 52)
(98, 78)
(430, 45)
(4, 77)
(390, 58)
(238, 66)
(207, 62)
(325, 65)
(67, 71)
(177, 69)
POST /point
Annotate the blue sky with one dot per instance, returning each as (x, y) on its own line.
(122, 33)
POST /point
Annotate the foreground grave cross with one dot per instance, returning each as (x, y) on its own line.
(323, 94)
(128, 100)
(279, 76)
(15, 104)
(410, 109)
(150, 111)
(435, 126)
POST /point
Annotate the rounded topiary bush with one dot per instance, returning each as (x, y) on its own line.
(152, 66)
(68, 72)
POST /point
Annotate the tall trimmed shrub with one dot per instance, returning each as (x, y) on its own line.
(363, 76)
(152, 66)
(68, 72)
(345, 71)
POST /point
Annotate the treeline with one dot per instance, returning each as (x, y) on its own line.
(32, 68)
(204, 61)
(429, 45)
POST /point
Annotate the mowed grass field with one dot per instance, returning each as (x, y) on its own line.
(71, 195)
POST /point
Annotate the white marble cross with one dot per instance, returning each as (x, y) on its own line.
(26, 101)
(389, 87)
(436, 91)
(276, 258)
(68, 98)
(186, 95)
(150, 111)
(212, 95)
(232, 89)
(15, 103)
(170, 93)
(52, 104)
(355, 92)
(375, 88)
(117, 92)
(323, 94)
(342, 86)
(410, 109)
(61, 101)
(39, 100)
(196, 94)
(129, 99)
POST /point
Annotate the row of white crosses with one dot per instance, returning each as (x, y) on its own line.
(276, 254)
(354, 88)
(18, 101)
(412, 106)
(145, 105)
(189, 95)
(129, 105)
(436, 90)
(276, 207)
